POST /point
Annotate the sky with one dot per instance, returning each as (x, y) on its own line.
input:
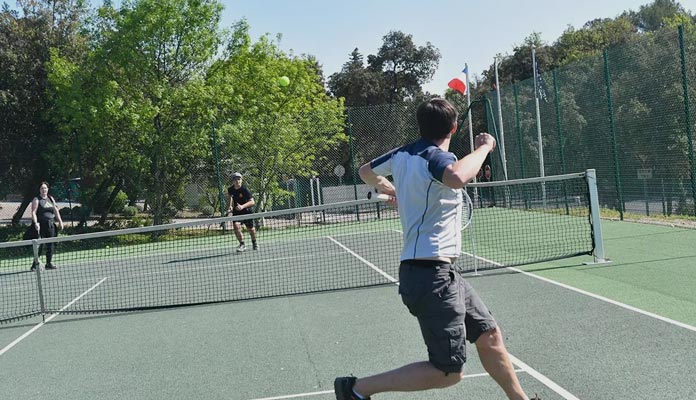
(465, 31)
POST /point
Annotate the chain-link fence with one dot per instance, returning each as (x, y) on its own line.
(625, 113)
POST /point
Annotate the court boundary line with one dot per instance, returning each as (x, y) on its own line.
(369, 264)
(594, 295)
(546, 381)
(40, 324)
(608, 300)
(308, 394)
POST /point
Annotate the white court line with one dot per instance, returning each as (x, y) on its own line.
(309, 394)
(610, 301)
(34, 329)
(369, 264)
(595, 296)
(543, 379)
(294, 396)
(27, 286)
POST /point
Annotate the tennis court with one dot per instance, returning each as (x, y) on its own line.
(601, 331)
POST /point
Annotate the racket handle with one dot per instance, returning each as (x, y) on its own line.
(384, 197)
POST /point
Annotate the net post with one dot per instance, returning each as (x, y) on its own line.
(39, 288)
(591, 179)
(473, 245)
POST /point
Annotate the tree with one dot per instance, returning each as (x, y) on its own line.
(356, 84)
(138, 105)
(270, 132)
(651, 17)
(593, 38)
(405, 67)
(395, 74)
(27, 134)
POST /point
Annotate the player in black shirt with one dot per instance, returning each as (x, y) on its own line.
(44, 213)
(240, 202)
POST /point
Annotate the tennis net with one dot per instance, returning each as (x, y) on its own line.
(305, 250)
(525, 221)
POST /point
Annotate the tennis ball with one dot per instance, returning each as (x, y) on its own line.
(107, 247)
(283, 81)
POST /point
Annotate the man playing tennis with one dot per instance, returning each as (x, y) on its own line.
(427, 182)
(239, 202)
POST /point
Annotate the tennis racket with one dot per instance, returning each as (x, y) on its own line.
(466, 212)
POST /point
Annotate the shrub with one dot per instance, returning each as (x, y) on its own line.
(120, 202)
(207, 211)
(130, 211)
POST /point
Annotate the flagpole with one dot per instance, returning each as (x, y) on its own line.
(468, 105)
(500, 120)
(538, 117)
(538, 121)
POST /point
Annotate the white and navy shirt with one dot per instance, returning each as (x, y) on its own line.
(430, 212)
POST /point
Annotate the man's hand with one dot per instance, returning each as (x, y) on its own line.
(484, 139)
(239, 207)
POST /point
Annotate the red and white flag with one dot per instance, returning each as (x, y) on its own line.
(459, 83)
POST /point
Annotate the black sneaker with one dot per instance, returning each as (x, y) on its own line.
(255, 246)
(34, 266)
(51, 266)
(343, 387)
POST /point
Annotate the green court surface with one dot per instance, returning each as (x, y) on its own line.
(623, 330)
(653, 268)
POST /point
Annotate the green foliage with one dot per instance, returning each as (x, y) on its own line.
(209, 199)
(271, 131)
(100, 200)
(207, 211)
(138, 102)
(394, 75)
(27, 133)
(120, 202)
(129, 211)
(594, 37)
(652, 17)
(135, 221)
(356, 84)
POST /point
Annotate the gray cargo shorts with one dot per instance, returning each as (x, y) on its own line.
(448, 310)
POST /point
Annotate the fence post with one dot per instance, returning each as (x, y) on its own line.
(519, 138)
(687, 112)
(519, 129)
(84, 214)
(352, 164)
(221, 197)
(612, 128)
(352, 155)
(561, 142)
(561, 147)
